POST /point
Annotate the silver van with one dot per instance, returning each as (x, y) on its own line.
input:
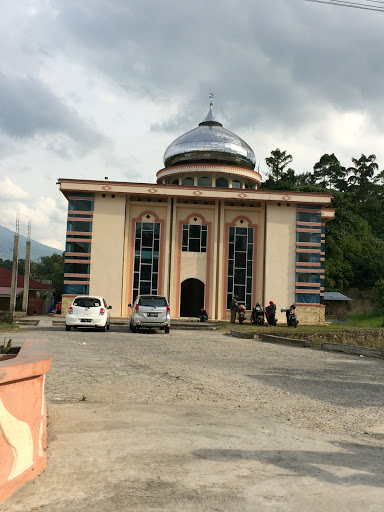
(151, 311)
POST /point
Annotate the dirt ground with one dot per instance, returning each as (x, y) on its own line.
(202, 421)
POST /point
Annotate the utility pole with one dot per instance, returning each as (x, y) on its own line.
(27, 270)
(12, 300)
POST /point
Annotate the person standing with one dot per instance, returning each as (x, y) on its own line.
(234, 307)
(270, 313)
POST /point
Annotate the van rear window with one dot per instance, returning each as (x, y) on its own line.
(87, 302)
(153, 301)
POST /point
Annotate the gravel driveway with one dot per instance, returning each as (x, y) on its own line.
(333, 393)
(228, 389)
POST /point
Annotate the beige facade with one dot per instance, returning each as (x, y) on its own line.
(280, 254)
(118, 207)
(108, 249)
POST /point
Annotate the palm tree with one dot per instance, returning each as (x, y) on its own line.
(362, 174)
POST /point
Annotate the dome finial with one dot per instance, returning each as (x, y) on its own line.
(211, 96)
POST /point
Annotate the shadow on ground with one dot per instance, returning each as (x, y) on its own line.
(355, 465)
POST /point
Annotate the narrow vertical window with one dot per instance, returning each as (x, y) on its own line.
(146, 262)
(240, 265)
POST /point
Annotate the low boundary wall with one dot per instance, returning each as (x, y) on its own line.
(353, 349)
(23, 427)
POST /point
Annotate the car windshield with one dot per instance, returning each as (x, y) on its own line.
(87, 302)
(153, 301)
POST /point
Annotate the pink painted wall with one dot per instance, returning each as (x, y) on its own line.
(23, 428)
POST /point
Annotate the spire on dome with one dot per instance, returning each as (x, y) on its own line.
(210, 119)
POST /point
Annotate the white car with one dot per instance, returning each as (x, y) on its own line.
(88, 311)
(150, 311)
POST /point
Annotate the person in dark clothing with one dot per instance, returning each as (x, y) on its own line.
(270, 313)
(203, 315)
(234, 307)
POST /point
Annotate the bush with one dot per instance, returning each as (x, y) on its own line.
(378, 294)
(5, 318)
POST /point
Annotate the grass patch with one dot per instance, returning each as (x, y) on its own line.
(362, 335)
(9, 327)
(283, 330)
(372, 320)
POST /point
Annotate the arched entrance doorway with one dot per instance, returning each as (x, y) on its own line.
(191, 297)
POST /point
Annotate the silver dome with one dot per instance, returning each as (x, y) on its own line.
(210, 143)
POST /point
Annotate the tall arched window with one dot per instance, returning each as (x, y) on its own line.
(236, 184)
(204, 182)
(175, 182)
(188, 182)
(222, 183)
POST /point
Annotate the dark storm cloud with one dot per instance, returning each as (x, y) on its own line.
(28, 108)
(269, 62)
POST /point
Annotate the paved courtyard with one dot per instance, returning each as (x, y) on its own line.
(200, 421)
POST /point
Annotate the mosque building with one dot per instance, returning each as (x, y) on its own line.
(202, 233)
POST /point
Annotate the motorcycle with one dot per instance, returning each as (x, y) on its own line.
(257, 316)
(290, 312)
(241, 313)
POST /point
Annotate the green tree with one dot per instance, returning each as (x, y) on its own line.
(362, 176)
(329, 173)
(373, 213)
(305, 180)
(353, 254)
(6, 264)
(277, 162)
(51, 267)
(379, 179)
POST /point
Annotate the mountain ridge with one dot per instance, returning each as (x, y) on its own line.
(38, 250)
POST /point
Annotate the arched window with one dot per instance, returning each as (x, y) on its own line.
(188, 182)
(204, 182)
(222, 183)
(175, 182)
(246, 185)
(236, 184)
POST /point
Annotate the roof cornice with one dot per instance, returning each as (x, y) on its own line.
(211, 193)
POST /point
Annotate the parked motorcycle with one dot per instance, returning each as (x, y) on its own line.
(241, 313)
(257, 316)
(290, 313)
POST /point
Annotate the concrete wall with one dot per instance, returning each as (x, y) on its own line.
(66, 301)
(280, 256)
(310, 315)
(23, 427)
(107, 250)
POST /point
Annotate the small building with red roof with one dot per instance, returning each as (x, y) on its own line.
(35, 303)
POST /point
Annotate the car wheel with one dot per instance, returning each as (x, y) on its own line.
(108, 326)
(166, 330)
(103, 328)
(67, 327)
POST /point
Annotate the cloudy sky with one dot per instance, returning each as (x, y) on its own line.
(97, 88)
